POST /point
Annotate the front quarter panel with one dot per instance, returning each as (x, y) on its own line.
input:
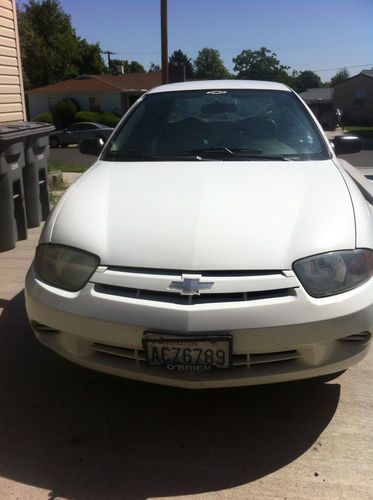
(46, 234)
(357, 185)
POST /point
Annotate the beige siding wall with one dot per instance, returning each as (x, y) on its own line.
(344, 98)
(12, 106)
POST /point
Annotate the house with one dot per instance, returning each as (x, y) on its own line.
(12, 103)
(354, 96)
(321, 102)
(97, 93)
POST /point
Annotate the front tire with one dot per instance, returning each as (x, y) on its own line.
(54, 142)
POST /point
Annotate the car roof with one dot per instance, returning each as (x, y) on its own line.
(89, 123)
(220, 84)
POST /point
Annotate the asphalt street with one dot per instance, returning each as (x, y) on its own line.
(364, 158)
(69, 156)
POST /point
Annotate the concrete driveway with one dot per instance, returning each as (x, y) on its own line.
(66, 432)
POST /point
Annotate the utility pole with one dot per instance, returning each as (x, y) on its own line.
(164, 41)
(108, 53)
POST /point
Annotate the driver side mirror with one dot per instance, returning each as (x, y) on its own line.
(92, 146)
(346, 144)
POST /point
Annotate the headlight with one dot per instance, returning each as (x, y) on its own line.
(64, 267)
(334, 272)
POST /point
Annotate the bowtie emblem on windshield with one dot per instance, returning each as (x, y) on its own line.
(190, 284)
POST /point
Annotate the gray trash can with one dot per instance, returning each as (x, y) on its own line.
(13, 224)
(35, 173)
(15, 140)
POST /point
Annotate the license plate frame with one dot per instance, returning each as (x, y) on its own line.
(204, 343)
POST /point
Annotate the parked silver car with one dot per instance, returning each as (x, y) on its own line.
(76, 132)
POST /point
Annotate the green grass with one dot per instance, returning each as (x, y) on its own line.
(56, 183)
(366, 132)
(355, 128)
(53, 198)
(60, 167)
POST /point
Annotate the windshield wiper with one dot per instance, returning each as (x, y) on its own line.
(242, 153)
(195, 155)
(221, 151)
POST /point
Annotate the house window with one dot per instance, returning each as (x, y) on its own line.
(360, 97)
(94, 104)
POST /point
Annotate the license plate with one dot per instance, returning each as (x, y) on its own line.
(188, 354)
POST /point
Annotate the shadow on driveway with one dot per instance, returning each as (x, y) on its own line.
(82, 434)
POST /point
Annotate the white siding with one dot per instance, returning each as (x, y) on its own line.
(110, 102)
(11, 88)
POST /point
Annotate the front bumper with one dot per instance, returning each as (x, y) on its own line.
(274, 339)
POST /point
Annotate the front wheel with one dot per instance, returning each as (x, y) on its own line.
(54, 142)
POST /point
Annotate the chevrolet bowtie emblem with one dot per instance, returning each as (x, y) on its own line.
(190, 284)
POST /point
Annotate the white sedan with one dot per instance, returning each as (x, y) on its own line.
(218, 241)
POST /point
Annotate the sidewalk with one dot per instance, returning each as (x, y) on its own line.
(330, 134)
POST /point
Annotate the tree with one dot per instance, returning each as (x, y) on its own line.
(90, 59)
(340, 76)
(154, 68)
(178, 58)
(128, 67)
(209, 65)
(50, 49)
(136, 67)
(120, 62)
(260, 64)
(307, 80)
(64, 112)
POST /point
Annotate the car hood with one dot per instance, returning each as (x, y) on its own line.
(210, 215)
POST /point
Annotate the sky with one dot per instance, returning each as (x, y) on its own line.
(320, 35)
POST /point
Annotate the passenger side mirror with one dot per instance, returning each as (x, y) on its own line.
(92, 146)
(346, 144)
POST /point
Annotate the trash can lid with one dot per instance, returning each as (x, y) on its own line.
(15, 130)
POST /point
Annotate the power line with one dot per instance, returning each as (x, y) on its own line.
(238, 50)
(347, 67)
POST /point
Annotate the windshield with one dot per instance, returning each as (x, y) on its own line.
(217, 124)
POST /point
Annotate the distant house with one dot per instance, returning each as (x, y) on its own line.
(354, 96)
(96, 93)
(321, 102)
(12, 105)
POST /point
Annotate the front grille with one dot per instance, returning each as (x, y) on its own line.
(137, 356)
(179, 272)
(175, 298)
(129, 353)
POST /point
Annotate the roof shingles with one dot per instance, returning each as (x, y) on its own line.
(103, 83)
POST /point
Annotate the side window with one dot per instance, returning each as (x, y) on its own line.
(73, 128)
(94, 104)
(86, 126)
(360, 97)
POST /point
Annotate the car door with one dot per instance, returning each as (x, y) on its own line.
(70, 135)
(87, 130)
